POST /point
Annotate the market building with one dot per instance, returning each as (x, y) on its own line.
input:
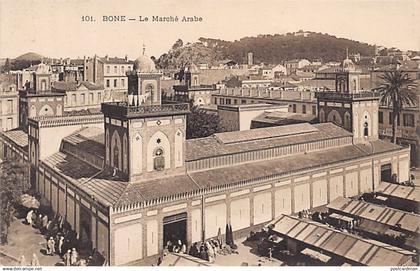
(129, 181)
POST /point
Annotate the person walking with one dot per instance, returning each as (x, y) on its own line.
(51, 246)
(29, 217)
(44, 222)
(67, 258)
(73, 257)
(60, 245)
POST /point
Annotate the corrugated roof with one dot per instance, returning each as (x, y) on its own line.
(351, 247)
(18, 136)
(381, 214)
(399, 191)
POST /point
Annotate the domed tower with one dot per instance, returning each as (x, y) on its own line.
(348, 78)
(145, 139)
(144, 82)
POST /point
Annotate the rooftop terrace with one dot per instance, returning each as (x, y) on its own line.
(123, 109)
(365, 95)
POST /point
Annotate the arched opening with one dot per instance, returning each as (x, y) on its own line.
(366, 129)
(46, 110)
(116, 151)
(159, 160)
(321, 115)
(158, 146)
(347, 122)
(334, 117)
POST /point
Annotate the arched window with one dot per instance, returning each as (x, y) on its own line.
(366, 129)
(321, 116)
(116, 154)
(159, 160)
(347, 124)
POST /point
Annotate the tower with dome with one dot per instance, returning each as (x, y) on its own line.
(144, 139)
(349, 106)
(144, 82)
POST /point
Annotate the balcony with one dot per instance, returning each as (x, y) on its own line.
(122, 109)
(338, 96)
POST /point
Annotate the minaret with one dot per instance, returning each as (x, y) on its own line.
(145, 140)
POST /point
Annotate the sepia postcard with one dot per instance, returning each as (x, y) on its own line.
(228, 133)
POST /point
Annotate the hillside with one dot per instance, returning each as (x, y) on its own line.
(29, 57)
(266, 48)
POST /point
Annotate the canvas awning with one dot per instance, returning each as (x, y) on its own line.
(382, 198)
(373, 227)
(316, 255)
(341, 217)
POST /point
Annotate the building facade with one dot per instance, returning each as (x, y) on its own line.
(9, 99)
(190, 88)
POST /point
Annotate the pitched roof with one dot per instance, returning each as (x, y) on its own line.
(283, 118)
(381, 214)
(400, 191)
(215, 146)
(88, 139)
(106, 190)
(354, 248)
(62, 86)
(18, 136)
(274, 167)
(114, 191)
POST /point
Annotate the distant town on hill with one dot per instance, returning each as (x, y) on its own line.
(269, 49)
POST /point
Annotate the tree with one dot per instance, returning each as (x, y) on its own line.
(178, 44)
(397, 89)
(202, 124)
(7, 66)
(14, 181)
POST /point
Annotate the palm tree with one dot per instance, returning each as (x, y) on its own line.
(397, 89)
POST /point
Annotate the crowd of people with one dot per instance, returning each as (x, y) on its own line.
(60, 238)
(206, 250)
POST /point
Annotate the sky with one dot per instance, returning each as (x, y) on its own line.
(54, 28)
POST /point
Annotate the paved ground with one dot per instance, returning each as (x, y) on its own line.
(25, 240)
(246, 257)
